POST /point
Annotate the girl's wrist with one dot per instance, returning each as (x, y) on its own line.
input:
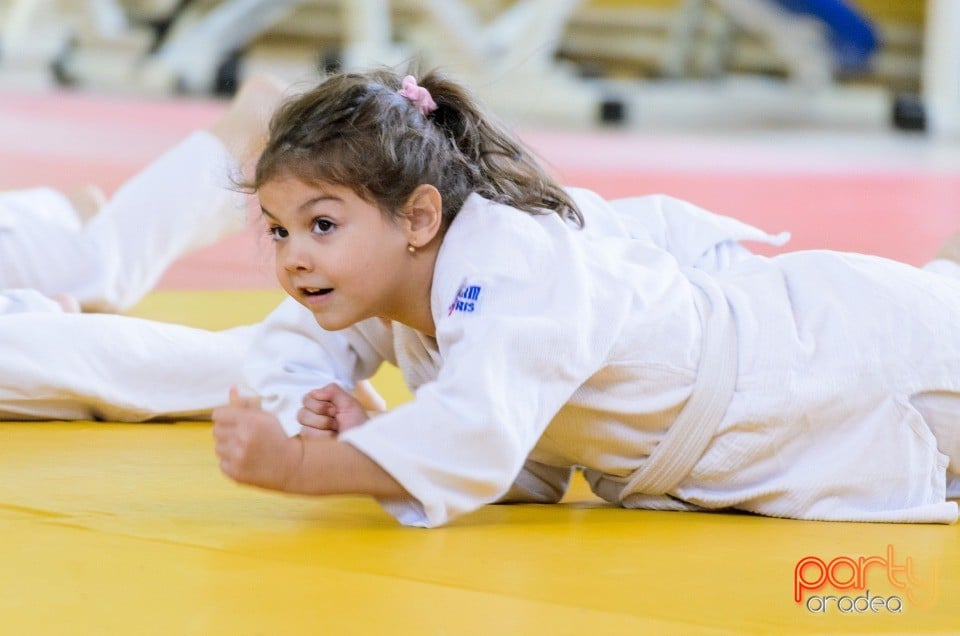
(293, 465)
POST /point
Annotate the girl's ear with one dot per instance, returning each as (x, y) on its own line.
(423, 215)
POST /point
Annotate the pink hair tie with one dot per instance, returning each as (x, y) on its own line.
(418, 95)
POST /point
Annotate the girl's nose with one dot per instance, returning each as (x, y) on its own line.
(295, 257)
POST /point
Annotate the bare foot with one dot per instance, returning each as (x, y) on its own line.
(68, 303)
(243, 127)
(950, 249)
(87, 201)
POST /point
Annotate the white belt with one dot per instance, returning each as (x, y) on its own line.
(688, 436)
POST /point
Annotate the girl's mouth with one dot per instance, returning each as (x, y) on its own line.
(315, 296)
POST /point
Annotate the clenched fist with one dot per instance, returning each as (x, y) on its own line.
(331, 410)
(252, 446)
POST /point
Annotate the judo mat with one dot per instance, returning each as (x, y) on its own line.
(116, 528)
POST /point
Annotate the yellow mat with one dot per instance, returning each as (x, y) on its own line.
(130, 529)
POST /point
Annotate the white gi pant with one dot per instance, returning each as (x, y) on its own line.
(92, 366)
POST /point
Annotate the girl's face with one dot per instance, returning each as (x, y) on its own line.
(336, 254)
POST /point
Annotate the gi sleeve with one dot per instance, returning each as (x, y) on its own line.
(514, 350)
(292, 355)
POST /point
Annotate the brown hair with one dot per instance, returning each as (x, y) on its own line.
(356, 130)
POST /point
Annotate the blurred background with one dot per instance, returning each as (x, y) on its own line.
(574, 63)
(838, 120)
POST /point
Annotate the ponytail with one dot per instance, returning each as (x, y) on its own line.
(506, 171)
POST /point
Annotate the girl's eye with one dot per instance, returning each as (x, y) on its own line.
(323, 226)
(277, 232)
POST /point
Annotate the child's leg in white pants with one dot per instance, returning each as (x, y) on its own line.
(181, 201)
(101, 366)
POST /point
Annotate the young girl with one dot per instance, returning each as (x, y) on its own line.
(540, 332)
(131, 370)
(126, 369)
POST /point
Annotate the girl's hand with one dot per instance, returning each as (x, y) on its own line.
(331, 410)
(252, 447)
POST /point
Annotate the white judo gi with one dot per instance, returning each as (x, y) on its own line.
(785, 386)
(95, 366)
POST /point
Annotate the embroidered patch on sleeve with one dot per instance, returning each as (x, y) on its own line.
(467, 300)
